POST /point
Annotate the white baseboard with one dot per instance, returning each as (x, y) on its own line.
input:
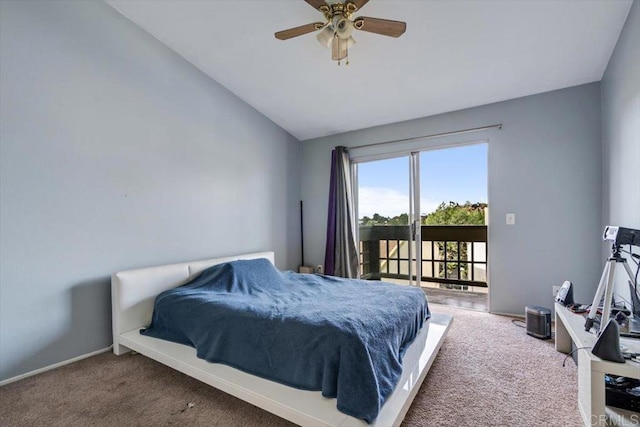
(54, 366)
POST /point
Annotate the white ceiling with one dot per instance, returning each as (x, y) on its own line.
(455, 54)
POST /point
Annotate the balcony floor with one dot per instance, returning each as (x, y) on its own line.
(461, 299)
(478, 301)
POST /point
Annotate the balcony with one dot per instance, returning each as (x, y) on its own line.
(454, 258)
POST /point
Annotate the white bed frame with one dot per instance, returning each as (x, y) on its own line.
(133, 295)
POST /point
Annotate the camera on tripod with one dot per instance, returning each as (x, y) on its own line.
(621, 236)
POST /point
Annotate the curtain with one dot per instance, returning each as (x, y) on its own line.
(341, 253)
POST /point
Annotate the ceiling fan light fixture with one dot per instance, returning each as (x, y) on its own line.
(338, 49)
(339, 25)
(350, 42)
(326, 36)
(344, 28)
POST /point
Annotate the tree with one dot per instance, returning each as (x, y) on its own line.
(379, 220)
(453, 213)
(402, 219)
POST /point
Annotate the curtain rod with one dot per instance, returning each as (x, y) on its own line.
(437, 135)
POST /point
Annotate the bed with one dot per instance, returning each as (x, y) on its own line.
(133, 295)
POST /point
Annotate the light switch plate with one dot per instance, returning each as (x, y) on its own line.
(511, 219)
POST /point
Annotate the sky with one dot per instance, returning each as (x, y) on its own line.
(456, 174)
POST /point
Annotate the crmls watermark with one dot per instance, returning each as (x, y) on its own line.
(615, 419)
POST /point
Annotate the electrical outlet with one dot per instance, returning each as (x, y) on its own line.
(319, 269)
(511, 219)
(555, 290)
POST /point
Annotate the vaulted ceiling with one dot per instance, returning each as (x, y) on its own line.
(455, 54)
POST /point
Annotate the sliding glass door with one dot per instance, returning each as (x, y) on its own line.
(389, 219)
(422, 221)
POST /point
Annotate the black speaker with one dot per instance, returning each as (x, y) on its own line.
(607, 347)
(565, 294)
(538, 322)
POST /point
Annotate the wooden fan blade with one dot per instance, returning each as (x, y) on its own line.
(317, 4)
(386, 27)
(298, 31)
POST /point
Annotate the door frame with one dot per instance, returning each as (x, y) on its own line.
(412, 152)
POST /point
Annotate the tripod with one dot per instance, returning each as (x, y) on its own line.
(606, 287)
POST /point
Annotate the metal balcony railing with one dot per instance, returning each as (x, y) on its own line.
(453, 255)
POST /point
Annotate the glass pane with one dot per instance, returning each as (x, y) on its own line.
(393, 249)
(439, 251)
(464, 271)
(480, 251)
(480, 272)
(383, 207)
(404, 249)
(439, 267)
(452, 250)
(454, 176)
(404, 268)
(426, 251)
(426, 269)
(465, 251)
(453, 185)
(383, 248)
(452, 270)
(393, 267)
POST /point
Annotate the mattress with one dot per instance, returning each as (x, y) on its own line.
(345, 338)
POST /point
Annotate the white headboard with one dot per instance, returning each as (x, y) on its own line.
(133, 292)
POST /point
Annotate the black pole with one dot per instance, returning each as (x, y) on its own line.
(301, 234)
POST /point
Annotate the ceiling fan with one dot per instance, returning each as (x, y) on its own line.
(339, 25)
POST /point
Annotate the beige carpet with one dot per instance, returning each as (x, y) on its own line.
(488, 373)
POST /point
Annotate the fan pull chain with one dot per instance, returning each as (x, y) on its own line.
(347, 56)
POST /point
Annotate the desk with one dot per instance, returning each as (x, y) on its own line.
(591, 370)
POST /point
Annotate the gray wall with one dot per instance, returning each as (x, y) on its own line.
(621, 134)
(115, 154)
(544, 165)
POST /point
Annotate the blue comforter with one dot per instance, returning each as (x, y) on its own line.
(343, 337)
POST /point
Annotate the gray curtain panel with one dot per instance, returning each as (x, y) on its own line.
(341, 254)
